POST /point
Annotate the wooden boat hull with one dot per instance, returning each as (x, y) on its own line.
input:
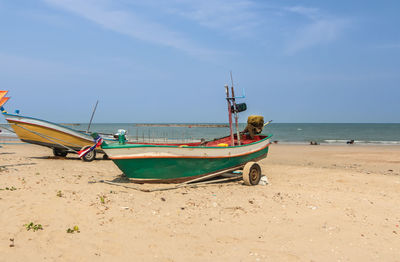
(45, 133)
(170, 164)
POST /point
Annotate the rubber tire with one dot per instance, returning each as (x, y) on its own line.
(59, 152)
(105, 157)
(251, 174)
(89, 157)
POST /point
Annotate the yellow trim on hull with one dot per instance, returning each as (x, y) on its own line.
(60, 137)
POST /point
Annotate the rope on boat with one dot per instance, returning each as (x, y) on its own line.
(47, 138)
(198, 184)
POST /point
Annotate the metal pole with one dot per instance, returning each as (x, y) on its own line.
(230, 114)
(235, 111)
(236, 117)
(91, 118)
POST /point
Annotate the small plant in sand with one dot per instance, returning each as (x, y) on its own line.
(73, 230)
(34, 227)
(12, 242)
(9, 188)
(102, 199)
(59, 193)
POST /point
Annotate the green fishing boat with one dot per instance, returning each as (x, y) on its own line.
(182, 162)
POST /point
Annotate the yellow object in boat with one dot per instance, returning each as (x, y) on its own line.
(222, 144)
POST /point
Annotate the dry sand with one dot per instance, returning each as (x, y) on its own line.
(324, 203)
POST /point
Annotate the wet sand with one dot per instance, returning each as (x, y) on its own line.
(323, 203)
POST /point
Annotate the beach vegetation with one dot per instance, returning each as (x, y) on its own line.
(59, 193)
(34, 227)
(9, 188)
(73, 230)
(102, 199)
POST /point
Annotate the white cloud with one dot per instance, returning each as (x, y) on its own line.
(321, 29)
(319, 32)
(310, 12)
(234, 16)
(238, 18)
(105, 14)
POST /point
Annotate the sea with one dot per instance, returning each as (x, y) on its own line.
(287, 133)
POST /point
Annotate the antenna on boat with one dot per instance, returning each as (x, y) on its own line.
(234, 108)
(230, 114)
(91, 118)
(235, 111)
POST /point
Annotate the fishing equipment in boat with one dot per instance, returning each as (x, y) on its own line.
(254, 126)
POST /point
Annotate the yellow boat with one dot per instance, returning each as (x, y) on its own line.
(61, 139)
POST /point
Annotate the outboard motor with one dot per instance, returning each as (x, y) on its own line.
(121, 135)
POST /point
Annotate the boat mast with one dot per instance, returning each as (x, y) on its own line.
(230, 114)
(91, 118)
(235, 111)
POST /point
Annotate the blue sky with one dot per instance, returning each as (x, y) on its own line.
(168, 61)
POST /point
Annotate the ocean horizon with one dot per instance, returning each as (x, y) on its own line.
(288, 133)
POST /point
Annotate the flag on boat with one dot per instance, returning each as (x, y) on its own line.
(3, 93)
(3, 100)
(97, 142)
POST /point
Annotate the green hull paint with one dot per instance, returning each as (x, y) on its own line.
(177, 168)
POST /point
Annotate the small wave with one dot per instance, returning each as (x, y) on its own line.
(385, 142)
(341, 141)
(335, 141)
(293, 142)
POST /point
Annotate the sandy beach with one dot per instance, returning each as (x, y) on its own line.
(323, 203)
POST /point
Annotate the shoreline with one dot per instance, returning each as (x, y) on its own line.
(5, 140)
